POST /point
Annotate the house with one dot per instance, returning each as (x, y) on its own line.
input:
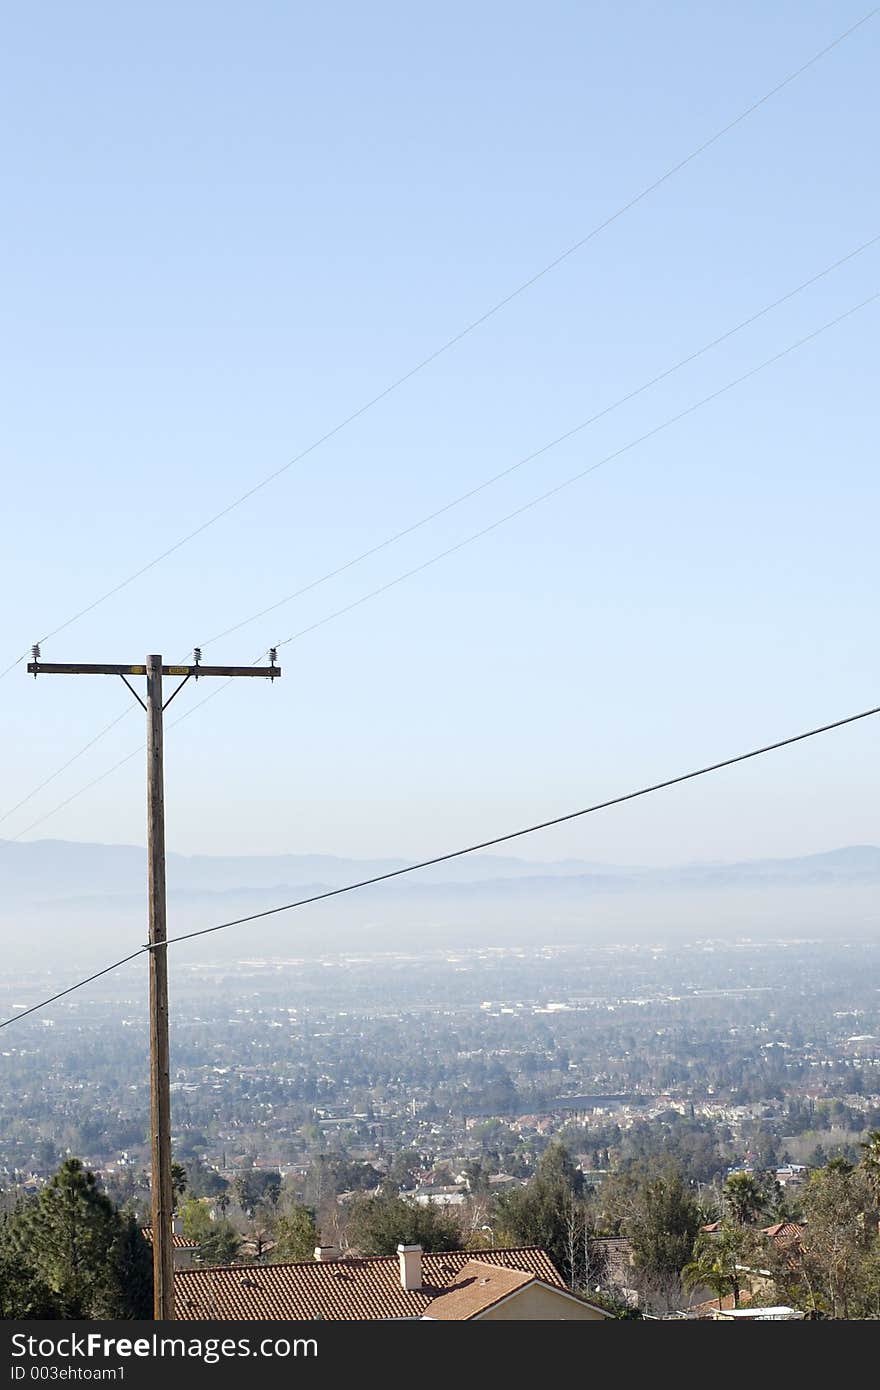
(753, 1280)
(455, 1286)
(489, 1292)
(183, 1249)
(612, 1266)
(707, 1309)
(502, 1182)
(792, 1174)
(784, 1233)
(448, 1196)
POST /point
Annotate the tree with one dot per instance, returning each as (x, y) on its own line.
(94, 1261)
(402, 1172)
(870, 1162)
(202, 1181)
(707, 1270)
(377, 1225)
(130, 1189)
(296, 1234)
(662, 1228)
(328, 1176)
(218, 1241)
(262, 1227)
(715, 1263)
(46, 1154)
(254, 1187)
(195, 1219)
(833, 1266)
(179, 1179)
(557, 1166)
(131, 1263)
(744, 1198)
(221, 1245)
(477, 1176)
(23, 1293)
(548, 1212)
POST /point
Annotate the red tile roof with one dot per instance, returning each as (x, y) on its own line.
(178, 1241)
(362, 1289)
(710, 1307)
(784, 1232)
(477, 1286)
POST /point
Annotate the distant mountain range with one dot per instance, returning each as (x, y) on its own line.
(51, 887)
(53, 870)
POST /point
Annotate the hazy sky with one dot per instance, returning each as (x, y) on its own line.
(228, 226)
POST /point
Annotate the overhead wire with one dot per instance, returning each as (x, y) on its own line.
(102, 733)
(547, 447)
(463, 333)
(582, 473)
(172, 723)
(457, 501)
(494, 526)
(529, 829)
(71, 989)
(445, 858)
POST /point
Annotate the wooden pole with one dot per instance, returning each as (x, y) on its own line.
(162, 1195)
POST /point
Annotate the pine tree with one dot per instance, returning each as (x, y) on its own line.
(23, 1294)
(93, 1261)
(130, 1287)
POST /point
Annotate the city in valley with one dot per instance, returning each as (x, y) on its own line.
(311, 1096)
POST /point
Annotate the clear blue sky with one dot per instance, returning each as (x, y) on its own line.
(227, 226)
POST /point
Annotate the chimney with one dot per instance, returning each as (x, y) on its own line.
(325, 1254)
(410, 1266)
(176, 1226)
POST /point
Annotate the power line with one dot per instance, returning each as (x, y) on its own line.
(648, 790)
(577, 477)
(546, 448)
(530, 829)
(493, 526)
(115, 767)
(469, 328)
(80, 792)
(71, 988)
(64, 766)
(466, 496)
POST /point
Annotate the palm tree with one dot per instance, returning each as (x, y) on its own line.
(744, 1198)
(711, 1267)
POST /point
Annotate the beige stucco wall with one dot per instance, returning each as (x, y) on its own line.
(535, 1302)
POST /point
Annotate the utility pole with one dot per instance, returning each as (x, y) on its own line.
(161, 1190)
